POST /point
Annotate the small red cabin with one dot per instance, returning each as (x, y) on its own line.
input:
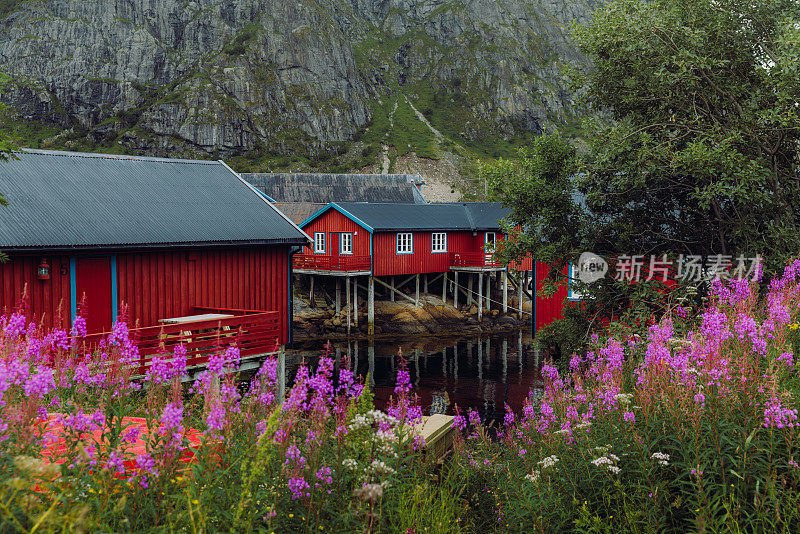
(166, 238)
(389, 240)
(402, 239)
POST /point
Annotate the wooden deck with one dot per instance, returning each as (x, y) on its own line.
(253, 333)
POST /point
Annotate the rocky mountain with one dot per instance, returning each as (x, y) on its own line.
(287, 83)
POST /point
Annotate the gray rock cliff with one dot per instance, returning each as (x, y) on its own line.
(225, 76)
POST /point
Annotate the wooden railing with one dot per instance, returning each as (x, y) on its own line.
(319, 262)
(253, 333)
(473, 259)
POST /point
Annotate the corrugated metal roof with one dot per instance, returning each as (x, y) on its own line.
(324, 188)
(393, 217)
(67, 200)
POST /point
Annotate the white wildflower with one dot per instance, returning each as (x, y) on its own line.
(585, 424)
(661, 457)
(624, 398)
(350, 464)
(549, 461)
(533, 477)
(614, 469)
(602, 461)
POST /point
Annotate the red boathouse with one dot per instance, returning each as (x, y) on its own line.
(402, 242)
(167, 238)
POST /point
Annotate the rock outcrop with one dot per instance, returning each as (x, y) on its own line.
(227, 76)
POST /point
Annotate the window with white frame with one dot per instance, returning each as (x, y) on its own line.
(319, 242)
(438, 242)
(573, 292)
(489, 243)
(404, 243)
(346, 244)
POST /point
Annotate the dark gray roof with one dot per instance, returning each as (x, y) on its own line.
(446, 216)
(324, 188)
(69, 200)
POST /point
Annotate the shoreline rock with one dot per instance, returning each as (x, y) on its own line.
(401, 319)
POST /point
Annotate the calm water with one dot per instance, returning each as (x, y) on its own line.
(482, 373)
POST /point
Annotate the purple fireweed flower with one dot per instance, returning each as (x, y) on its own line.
(508, 418)
(777, 416)
(40, 384)
(629, 417)
(79, 327)
(115, 462)
(460, 422)
(324, 475)
(298, 487)
(15, 327)
(474, 418)
(787, 358)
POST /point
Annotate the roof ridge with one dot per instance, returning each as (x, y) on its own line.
(469, 216)
(120, 157)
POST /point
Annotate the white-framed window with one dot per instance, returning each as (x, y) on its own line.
(405, 243)
(573, 293)
(319, 242)
(489, 242)
(345, 243)
(438, 242)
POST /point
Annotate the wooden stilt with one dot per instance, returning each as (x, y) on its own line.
(469, 289)
(444, 289)
(347, 301)
(392, 292)
(338, 296)
(455, 289)
(505, 291)
(480, 296)
(371, 307)
(488, 291)
(355, 302)
(416, 293)
(425, 283)
(311, 292)
(520, 294)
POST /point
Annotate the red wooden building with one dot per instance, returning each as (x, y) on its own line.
(409, 241)
(165, 238)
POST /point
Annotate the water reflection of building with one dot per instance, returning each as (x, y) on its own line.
(440, 402)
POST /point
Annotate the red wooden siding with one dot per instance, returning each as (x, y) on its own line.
(46, 299)
(162, 284)
(333, 221)
(548, 309)
(388, 262)
(159, 284)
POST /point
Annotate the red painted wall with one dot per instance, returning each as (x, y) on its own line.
(162, 284)
(47, 300)
(548, 309)
(159, 284)
(333, 221)
(388, 262)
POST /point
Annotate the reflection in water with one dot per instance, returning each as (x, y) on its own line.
(477, 373)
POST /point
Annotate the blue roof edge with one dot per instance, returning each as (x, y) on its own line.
(333, 205)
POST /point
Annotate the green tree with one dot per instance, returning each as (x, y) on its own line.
(692, 148)
(700, 153)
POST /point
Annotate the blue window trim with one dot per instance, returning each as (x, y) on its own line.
(445, 243)
(570, 291)
(486, 242)
(73, 289)
(323, 243)
(397, 240)
(341, 241)
(114, 309)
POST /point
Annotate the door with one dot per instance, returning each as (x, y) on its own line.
(489, 247)
(334, 246)
(93, 281)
